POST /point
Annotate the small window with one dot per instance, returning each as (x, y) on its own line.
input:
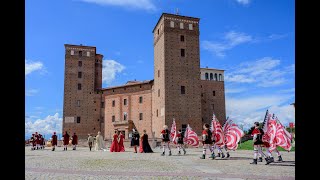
(102, 104)
(94, 101)
(80, 53)
(78, 119)
(182, 52)
(181, 25)
(172, 24)
(140, 99)
(157, 113)
(183, 89)
(88, 53)
(220, 77)
(158, 73)
(78, 103)
(79, 86)
(72, 52)
(158, 92)
(140, 116)
(190, 27)
(113, 118)
(79, 74)
(211, 76)
(201, 94)
(212, 106)
(125, 102)
(158, 31)
(182, 38)
(80, 63)
(214, 93)
(113, 103)
(125, 116)
(207, 76)
(215, 77)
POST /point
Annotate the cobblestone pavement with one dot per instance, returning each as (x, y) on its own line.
(83, 164)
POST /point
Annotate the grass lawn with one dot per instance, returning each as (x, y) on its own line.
(248, 145)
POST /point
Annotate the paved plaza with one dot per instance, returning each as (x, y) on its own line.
(83, 164)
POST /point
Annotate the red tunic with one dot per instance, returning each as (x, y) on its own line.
(74, 139)
(54, 140)
(141, 144)
(114, 146)
(66, 139)
(121, 146)
(255, 131)
(37, 139)
(165, 135)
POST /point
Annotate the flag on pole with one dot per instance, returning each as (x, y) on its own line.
(232, 134)
(173, 133)
(217, 132)
(190, 137)
(283, 137)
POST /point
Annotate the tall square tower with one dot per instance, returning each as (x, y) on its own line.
(176, 90)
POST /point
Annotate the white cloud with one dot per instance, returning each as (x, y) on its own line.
(264, 72)
(248, 110)
(31, 92)
(31, 66)
(234, 90)
(244, 2)
(110, 69)
(44, 126)
(230, 40)
(137, 4)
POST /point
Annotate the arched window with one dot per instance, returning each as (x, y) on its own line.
(220, 77)
(215, 77)
(211, 76)
(207, 76)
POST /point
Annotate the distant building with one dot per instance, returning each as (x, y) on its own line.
(180, 89)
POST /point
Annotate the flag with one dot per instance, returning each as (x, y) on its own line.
(270, 134)
(232, 134)
(190, 137)
(173, 133)
(217, 132)
(283, 137)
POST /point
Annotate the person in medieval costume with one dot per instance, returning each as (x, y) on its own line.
(33, 142)
(99, 142)
(54, 141)
(165, 134)
(37, 140)
(145, 146)
(220, 152)
(121, 145)
(180, 144)
(66, 138)
(74, 141)
(135, 139)
(40, 141)
(115, 142)
(257, 134)
(90, 141)
(207, 141)
(43, 142)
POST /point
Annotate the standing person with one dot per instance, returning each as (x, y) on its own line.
(180, 142)
(145, 143)
(257, 142)
(54, 141)
(99, 142)
(33, 142)
(40, 141)
(43, 142)
(207, 141)
(37, 140)
(135, 139)
(165, 140)
(115, 143)
(121, 145)
(74, 141)
(90, 141)
(66, 138)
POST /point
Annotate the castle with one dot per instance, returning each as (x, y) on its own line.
(180, 88)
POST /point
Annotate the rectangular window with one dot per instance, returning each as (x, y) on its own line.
(102, 104)
(140, 116)
(212, 106)
(158, 73)
(181, 25)
(80, 53)
(190, 27)
(125, 116)
(79, 86)
(80, 63)
(125, 102)
(88, 53)
(157, 113)
(182, 38)
(183, 89)
(214, 93)
(78, 119)
(201, 94)
(140, 99)
(78, 103)
(172, 24)
(79, 74)
(113, 118)
(113, 103)
(72, 52)
(158, 31)
(182, 52)
(158, 92)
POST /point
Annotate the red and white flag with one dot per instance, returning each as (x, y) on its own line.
(217, 132)
(173, 133)
(283, 137)
(190, 137)
(270, 133)
(232, 134)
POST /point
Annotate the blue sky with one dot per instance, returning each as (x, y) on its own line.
(253, 40)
